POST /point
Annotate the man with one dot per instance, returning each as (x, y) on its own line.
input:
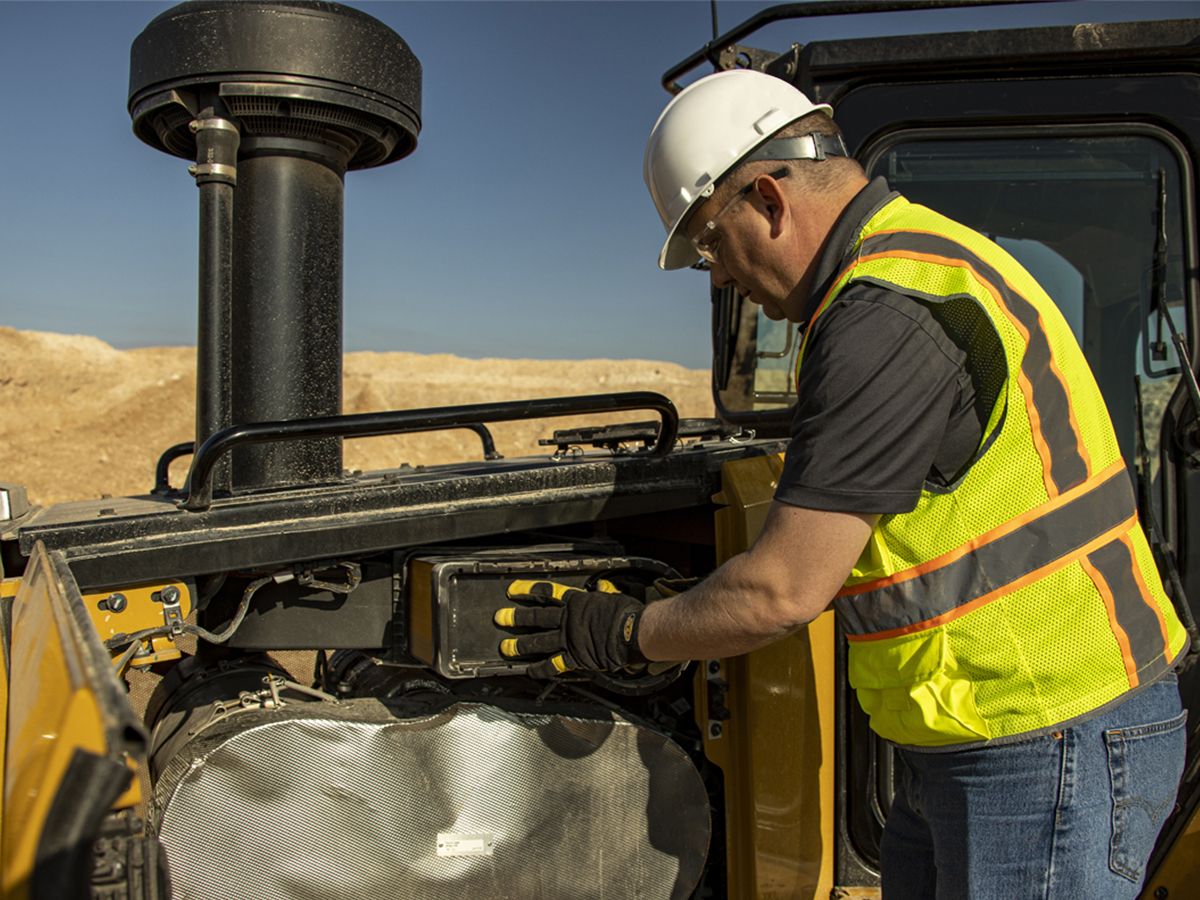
(952, 485)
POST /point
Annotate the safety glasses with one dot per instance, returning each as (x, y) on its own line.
(708, 240)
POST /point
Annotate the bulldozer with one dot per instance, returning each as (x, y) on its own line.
(281, 678)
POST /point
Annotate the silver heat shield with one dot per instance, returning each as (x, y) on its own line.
(323, 800)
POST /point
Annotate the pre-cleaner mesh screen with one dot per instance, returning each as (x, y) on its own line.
(472, 802)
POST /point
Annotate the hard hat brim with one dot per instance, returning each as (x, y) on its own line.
(677, 251)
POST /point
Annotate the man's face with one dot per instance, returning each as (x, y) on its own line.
(756, 251)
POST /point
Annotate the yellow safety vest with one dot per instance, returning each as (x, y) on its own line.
(1024, 595)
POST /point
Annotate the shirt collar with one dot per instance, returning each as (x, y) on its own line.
(843, 238)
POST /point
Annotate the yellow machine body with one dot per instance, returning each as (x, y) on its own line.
(777, 747)
(71, 741)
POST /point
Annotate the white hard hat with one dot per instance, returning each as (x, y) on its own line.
(707, 129)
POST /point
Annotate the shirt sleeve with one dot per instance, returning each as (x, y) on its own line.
(879, 383)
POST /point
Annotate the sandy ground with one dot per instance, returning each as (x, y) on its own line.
(83, 420)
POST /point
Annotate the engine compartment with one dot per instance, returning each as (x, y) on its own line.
(381, 745)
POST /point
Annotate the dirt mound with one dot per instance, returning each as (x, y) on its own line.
(84, 420)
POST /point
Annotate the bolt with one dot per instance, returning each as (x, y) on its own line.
(108, 511)
(1160, 893)
(714, 667)
(192, 170)
(193, 126)
(170, 595)
(714, 729)
(115, 602)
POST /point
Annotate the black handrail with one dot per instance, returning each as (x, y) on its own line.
(485, 437)
(162, 474)
(711, 51)
(377, 424)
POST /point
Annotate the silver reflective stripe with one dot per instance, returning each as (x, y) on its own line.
(1138, 624)
(1065, 527)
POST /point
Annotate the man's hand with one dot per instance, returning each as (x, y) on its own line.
(570, 628)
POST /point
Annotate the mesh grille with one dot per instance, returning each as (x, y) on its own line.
(292, 805)
(367, 139)
(304, 110)
(309, 120)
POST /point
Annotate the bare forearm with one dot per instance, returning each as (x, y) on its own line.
(785, 580)
(727, 614)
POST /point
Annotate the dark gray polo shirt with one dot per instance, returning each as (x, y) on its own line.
(886, 402)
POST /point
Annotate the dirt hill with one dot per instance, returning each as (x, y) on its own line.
(82, 419)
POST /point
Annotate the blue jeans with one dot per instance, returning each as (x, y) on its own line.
(1073, 814)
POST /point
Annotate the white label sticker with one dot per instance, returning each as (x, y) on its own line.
(456, 843)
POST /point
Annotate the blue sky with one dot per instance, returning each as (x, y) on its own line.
(519, 228)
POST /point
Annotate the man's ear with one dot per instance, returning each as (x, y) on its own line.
(774, 202)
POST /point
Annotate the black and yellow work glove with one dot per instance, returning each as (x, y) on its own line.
(569, 628)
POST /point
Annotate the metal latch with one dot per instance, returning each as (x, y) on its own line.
(172, 613)
(268, 697)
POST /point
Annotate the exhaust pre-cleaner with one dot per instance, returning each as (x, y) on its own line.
(274, 102)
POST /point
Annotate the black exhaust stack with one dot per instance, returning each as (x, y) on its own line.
(275, 102)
